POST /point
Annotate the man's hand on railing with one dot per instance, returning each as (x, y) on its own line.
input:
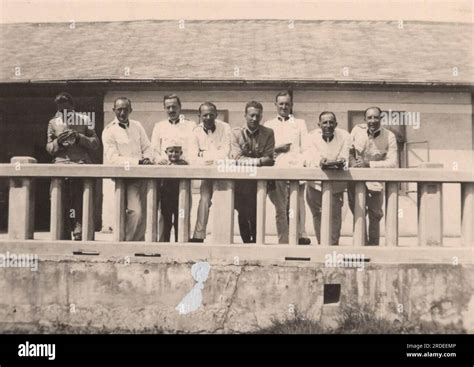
(266, 161)
(145, 161)
(283, 148)
(337, 164)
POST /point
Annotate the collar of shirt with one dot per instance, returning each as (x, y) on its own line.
(375, 134)
(211, 129)
(175, 122)
(330, 139)
(252, 133)
(282, 119)
(124, 125)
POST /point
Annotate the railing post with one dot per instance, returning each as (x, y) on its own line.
(358, 238)
(294, 203)
(223, 212)
(151, 233)
(467, 214)
(21, 209)
(391, 214)
(261, 208)
(184, 210)
(119, 210)
(326, 213)
(430, 211)
(88, 210)
(56, 220)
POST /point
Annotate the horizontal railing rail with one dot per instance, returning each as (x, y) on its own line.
(215, 173)
(22, 172)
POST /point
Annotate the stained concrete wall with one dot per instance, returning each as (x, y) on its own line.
(111, 293)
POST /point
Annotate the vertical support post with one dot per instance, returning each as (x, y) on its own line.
(21, 209)
(184, 210)
(294, 203)
(358, 238)
(151, 233)
(430, 214)
(88, 210)
(391, 214)
(326, 213)
(261, 208)
(119, 210)
(467, 214)
(223, 207)
(57, 221)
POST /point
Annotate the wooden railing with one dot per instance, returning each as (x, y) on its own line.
(22, 172)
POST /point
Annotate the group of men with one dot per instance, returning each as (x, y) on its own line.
(283, 141)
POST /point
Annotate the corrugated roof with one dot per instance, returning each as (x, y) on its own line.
(372, 51)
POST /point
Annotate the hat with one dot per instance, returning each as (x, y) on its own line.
(172, 143)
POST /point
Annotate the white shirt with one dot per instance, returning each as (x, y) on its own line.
(211, 146)
(316, 148)
(380, 149)
(291, 131)
(165, 133)
(129, 145)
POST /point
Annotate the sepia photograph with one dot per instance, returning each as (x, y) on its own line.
(325, 188)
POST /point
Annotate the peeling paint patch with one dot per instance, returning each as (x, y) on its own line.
(193, 300)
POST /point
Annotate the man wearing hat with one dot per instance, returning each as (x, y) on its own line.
(169, 190)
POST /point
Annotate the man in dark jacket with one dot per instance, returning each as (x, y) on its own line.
(252, 145)
(71, 137)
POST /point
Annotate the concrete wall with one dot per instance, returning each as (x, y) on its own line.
(109, 292)
(446, 121)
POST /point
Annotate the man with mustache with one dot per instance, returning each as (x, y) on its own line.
(125, 142)
(372, 147)
(175, 127)
(327, 147)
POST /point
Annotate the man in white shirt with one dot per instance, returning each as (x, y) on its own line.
(372, 147)
(327, 147)
(126, 143)
(289, 135)
(176, 128)
(210, 143)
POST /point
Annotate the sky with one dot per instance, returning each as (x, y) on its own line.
(39, 11)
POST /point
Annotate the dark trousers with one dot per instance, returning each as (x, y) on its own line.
(169, 207)
(246, 206)
(72, 207)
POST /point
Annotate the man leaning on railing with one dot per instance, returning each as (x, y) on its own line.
(126, 143)
(71, 137)
(327, 148)
(372, 147)
(251, 144)
(209, 144)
